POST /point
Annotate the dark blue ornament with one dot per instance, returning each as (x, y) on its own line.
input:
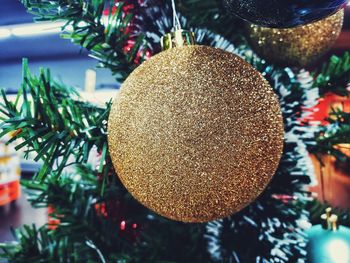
(328, 246)
(283, 13)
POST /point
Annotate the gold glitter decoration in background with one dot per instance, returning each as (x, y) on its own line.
(195, 134)
(299, 46)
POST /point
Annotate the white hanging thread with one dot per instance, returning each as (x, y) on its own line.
(176, 20)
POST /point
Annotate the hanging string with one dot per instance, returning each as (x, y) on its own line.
(176, 20)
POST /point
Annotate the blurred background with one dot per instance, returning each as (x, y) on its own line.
(42, 45)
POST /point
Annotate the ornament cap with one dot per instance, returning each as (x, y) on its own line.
(178, 38)
(334, 222)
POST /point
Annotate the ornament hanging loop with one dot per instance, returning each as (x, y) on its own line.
(178, 37)
(176, 20)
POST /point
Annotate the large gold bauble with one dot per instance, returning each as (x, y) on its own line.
(195, 133)
(299, 46)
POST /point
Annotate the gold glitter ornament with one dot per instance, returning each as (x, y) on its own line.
(297, 46)
(195, 134)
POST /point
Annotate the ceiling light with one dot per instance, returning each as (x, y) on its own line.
(32, 29)
(36, 29)
(4, 33)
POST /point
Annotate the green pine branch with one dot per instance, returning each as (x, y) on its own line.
(48, 119)
(106, 37)
(330, 136)
(81, 234)
(334, 76)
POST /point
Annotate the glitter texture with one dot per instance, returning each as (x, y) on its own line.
(298, 46)
(195, 134)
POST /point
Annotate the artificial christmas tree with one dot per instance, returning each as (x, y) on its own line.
(99, 221)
